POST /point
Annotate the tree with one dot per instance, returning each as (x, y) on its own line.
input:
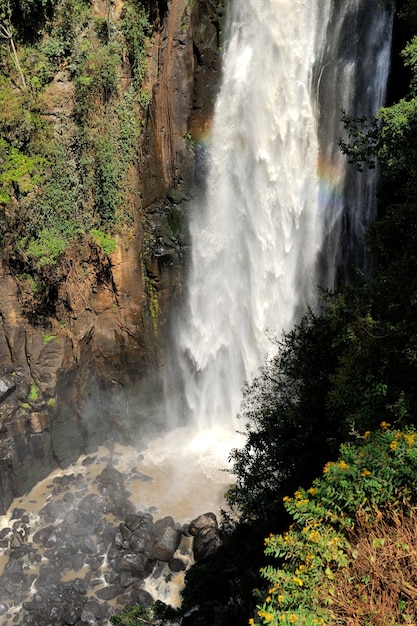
(7, 32)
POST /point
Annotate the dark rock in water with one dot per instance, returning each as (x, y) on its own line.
(92, 504)
(109, 593)
(140, 521)
(4, 533)
(139, 541)
(140, 596)
(78, 522)
(17, 513)
(202, 521)
(166, 544)
(100, 610)
(111, 477)
(120, 509)
(70, 616)
(46, 536)
(205, 543)
(94, 562)
(137, 564)
(79, 586)
(125, 532)
(13, 571)
(176, 565)
(127, 580)
(53, 511)
(205, 531)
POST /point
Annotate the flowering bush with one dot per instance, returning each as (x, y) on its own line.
(373, 477)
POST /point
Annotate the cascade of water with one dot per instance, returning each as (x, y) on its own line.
(351, 74)
(257, 237)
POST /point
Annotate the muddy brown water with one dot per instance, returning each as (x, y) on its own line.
(179, 475)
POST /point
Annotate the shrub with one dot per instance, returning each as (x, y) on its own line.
(105, 241)
(372, 480)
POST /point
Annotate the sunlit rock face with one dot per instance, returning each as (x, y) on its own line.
(71, 384)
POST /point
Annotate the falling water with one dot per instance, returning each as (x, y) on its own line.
(268, 231)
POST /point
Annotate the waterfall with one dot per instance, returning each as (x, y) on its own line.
(267, 232)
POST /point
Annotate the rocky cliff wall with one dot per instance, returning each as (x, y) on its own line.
(67, 385)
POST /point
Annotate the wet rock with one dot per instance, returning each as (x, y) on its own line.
(78, 521)
(135, 563)
(139, 541)
(140, 521)
(79, 586)
(127, 580)
(176, 565)
(99, 610)
(205, 543)
(140, 596)
(17, 513)
(46, 536)
(4, 532)
(94, 562)
(92, 504)
(109, 593)
(166, 544)
(13, 571)
(202, 521)
(125, 532)
(53, 510)
(70, 616)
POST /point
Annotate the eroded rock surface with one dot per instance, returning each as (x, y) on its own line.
(71, 378)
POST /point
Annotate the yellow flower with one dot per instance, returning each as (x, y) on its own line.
(314, 536)
(251, 621)
(327, 467)
(298, 495)
(410, 439)
(280, 599)
(293, 618)
(312, 491)
(343, 465)
(385, 425)
(286, 499)
(298, 581)
(268, 599)
(393, 444)
(366, 435)
(365, 472)
(268, 617)
(302, 502)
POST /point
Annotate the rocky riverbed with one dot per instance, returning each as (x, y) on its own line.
(86, 543)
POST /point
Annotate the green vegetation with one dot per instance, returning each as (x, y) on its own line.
(70, 122)
(373, 479)
(33, 393)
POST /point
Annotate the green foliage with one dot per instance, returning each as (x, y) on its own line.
(140, 616)
(66, 174)
(105, 241)
(363, 141)
(19, 173)
(33, 393)
(97, 74)
(376, 473)
(47, 247)
(136, 30)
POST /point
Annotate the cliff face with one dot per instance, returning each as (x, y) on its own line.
(90, 370)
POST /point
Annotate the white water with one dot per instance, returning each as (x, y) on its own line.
(274, 197)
